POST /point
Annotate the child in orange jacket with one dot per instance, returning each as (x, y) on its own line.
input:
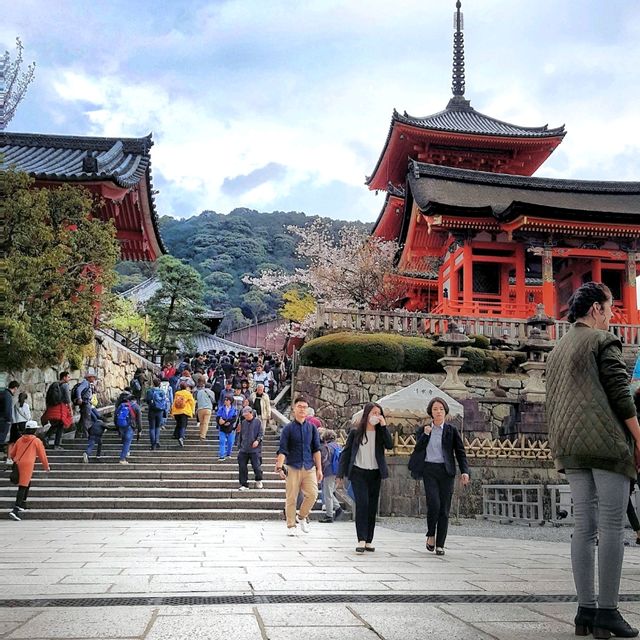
(24, 453)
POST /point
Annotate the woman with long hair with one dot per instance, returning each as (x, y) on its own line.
(362, 461)
(433, 462)
(595, 440)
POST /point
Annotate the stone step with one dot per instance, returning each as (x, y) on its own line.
(243, 500)
(157, 457)
(168, 493)
(135, 481)
(147, 465)
(71, 513)
(114, 471)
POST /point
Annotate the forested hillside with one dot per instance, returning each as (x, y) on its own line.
(224, 248)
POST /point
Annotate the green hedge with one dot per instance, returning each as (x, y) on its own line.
(372, 352)
(391, 352)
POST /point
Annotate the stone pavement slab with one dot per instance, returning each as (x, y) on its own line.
(168, 569)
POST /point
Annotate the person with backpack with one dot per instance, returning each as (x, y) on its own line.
(127, 418)
(157, 402)
(59, 411)
(96, 431)
(330, 452)
(182, 409)
(205, 401)
(81, 396)
(227, 417)
(24, 452)
(250, 448)
(137, 384)
(168, 392)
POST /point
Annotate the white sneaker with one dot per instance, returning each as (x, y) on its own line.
(243, 488)
(85, 458)
(9, 461)
(259, 484)
(292, 532)
(14, 516)
(304, 525)
(124, 462)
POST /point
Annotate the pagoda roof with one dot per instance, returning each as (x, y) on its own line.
(54, 157)
(438, 189)
(125, 162)
(461, 117)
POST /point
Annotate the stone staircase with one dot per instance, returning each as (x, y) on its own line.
(168, 484)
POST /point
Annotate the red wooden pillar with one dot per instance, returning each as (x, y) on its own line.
(548, 292)
(467, 285)
(596, 270)
(629, 290)
(521, 285)
(504, 288)
(454, 290)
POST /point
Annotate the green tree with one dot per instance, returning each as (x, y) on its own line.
(126, 319)
(59, 267)
(176, 308)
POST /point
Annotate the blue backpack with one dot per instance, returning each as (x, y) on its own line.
(158, 399)
(335, 459)
(123, 415)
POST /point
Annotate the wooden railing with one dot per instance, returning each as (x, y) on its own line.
(410, 323)
(139, 346)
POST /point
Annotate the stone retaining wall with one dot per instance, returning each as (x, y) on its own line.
(113, 363)
(336, 394)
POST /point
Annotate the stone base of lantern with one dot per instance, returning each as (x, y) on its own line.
(452, 383)
(534, 390)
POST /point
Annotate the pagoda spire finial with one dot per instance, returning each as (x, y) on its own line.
(458, 52)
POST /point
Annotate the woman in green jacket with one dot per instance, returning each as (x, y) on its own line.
(595, 440)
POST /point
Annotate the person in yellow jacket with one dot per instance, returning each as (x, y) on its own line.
(182, 409)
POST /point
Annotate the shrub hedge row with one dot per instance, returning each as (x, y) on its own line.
(390, 352)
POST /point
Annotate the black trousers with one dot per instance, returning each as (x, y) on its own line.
(57, 429)
(17, 428)
(21, 496)
(243, 468)
(366, 489)
(438, 488)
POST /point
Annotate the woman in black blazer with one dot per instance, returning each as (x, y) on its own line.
(433, 461)
(362, 461)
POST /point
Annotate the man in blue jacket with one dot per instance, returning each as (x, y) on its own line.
(300, 448)
(250, 448)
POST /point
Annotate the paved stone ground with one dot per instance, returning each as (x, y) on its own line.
(82, 559)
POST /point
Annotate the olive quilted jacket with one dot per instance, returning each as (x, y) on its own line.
(588, 399)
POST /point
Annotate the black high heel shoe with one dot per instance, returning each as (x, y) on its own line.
(431, 547)
(608, 622)
(584, 620)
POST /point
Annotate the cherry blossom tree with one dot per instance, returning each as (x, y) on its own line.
(349, 269)
(13, 83)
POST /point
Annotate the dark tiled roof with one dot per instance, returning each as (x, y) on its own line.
(50, 157)
(478, 193)
(460, 117)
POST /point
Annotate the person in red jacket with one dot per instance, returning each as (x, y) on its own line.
(24, 453)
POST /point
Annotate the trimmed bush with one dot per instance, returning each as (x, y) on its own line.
(365, 352)
(506, 361)
(421, 356)
(480, 342)
(477, 360)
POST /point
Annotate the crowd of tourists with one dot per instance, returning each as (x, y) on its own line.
(593, 430)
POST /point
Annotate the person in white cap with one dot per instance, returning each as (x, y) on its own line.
(24, 453)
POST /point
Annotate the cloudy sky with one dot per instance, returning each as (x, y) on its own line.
(286, 104)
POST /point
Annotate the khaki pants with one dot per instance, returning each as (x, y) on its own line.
(204, 415)
(300, 480)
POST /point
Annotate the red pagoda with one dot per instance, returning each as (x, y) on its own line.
(478, 235)
(116, 169)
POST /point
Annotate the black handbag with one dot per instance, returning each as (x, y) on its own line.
(14, 476)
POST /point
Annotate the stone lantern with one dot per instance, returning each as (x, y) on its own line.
(537, 345)
(453, 341)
